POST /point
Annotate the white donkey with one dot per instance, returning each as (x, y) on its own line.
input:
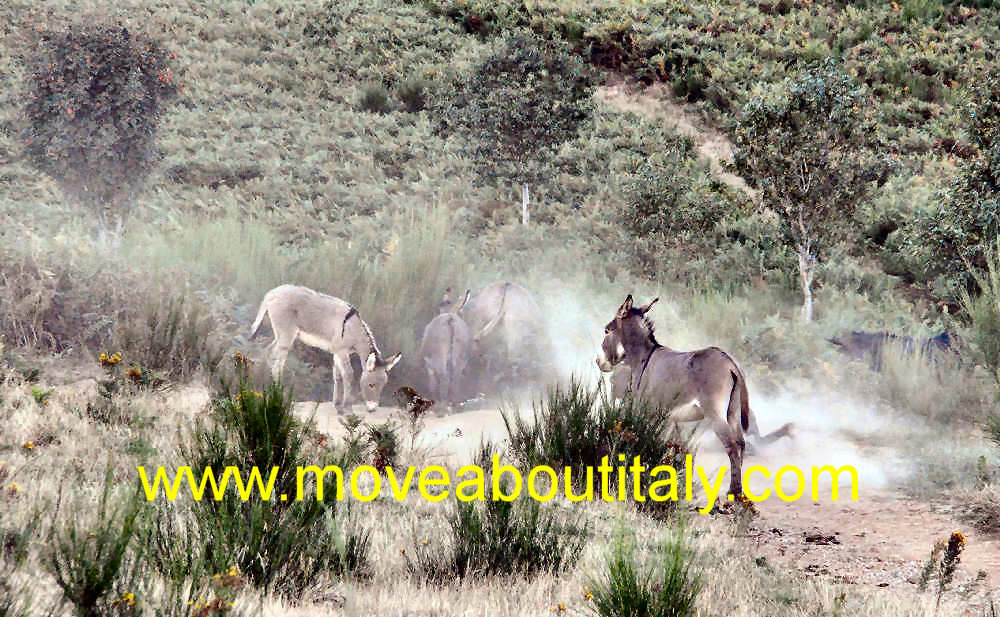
(330, 324)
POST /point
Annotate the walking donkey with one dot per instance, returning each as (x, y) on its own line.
(446, 346)
(706, 384)
(330, 324)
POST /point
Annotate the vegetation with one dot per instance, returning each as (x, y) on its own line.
(803, 144)
(668, 587)
(580, 428)
(330, 145)
(94, 99)
(500, 537)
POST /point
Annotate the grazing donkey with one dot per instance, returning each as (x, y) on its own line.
(706, 384)
(446, 345)
(519, 340)
(330, 324)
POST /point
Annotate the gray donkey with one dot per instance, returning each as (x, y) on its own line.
(330, 324)
(621, 384)
(520, 342)
(706, 384)
(446, 345)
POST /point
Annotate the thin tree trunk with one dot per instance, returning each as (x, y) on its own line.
(525, 216)
(807, 269)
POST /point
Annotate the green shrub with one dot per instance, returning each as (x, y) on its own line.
(576, 426)
(950, 239)
(95, 97)
(519, 537)
(667, 587)
(87, 562)
(262, 537)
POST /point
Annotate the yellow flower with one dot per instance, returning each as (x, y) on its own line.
(28, 445)
(13, 488)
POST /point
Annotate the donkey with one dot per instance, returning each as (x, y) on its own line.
(858, 344)
(446, 345)
(519, 339)
(621, 383)
(706, 384)
(330, 324)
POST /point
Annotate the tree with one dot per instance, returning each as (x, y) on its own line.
(523, 100)
(95, 95)
(804, 144)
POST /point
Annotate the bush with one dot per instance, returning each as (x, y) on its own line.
(519, 537)
(88, 563)
(172, 335)
(577, 427)
(375, 99)
(96, 94)
(983, 311)
(263, 538)
(950, 239)
(669, 588)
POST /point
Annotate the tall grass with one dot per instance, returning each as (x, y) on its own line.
(984, 313)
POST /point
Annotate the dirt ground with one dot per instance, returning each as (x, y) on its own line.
(881, 540)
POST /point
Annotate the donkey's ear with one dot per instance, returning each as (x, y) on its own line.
(370, 362)
(393, 361)
(625, 308)
(465, 300)
(645, 309)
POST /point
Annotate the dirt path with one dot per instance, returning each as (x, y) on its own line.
(655, 103)
(883, 539)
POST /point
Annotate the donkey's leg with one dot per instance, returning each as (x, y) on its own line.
(340, 376)
(734, 444)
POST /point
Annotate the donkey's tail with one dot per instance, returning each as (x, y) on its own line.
(493, 322)
(740, 390)
(260, 317)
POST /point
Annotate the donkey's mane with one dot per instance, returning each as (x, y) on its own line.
(372, 347)
(371, 339)
(650, 328)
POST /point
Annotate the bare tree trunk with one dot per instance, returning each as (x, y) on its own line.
(807, 270)
(525, 216)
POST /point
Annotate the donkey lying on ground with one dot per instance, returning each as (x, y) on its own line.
(856, 345)
(706, 384)
(446, 346)
(519, 341)
(330, 324)
(621, 379)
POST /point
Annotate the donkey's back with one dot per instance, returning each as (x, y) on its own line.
(317, 319)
